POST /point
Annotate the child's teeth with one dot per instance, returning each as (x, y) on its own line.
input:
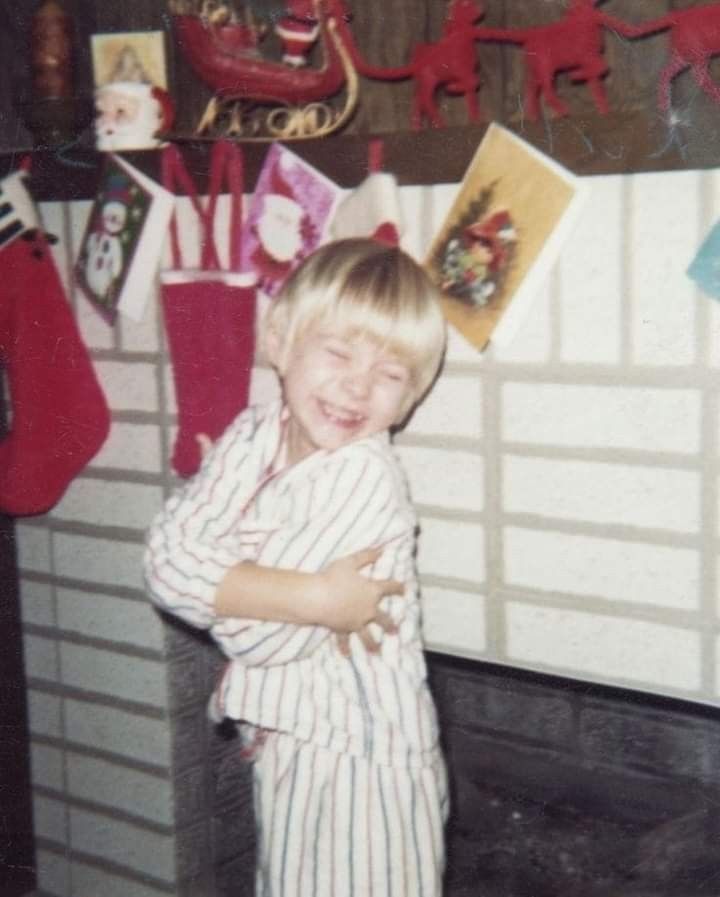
(339, 415)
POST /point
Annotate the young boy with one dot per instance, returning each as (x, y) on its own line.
(264, 548)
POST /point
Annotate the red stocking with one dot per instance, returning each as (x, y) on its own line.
(59, 415)
(209, 316)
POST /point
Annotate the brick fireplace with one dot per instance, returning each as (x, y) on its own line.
(559, 789)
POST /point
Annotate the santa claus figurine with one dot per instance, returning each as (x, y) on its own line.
(130, 115)
(298, 30)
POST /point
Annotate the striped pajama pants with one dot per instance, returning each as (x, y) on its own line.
(334, 825)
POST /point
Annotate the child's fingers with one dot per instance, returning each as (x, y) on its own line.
(385, 622)
(365, 557)
(367, 640)
(390, 587)
(343, 642)
(205, 443)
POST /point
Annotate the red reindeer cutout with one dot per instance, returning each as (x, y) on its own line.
(573, 44)
(694, 41)
(450, 62)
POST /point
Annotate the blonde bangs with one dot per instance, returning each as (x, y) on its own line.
(360, 288)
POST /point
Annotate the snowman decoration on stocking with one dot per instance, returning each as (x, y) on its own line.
(104, 262)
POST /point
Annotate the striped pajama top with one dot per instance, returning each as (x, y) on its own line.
(286, 677)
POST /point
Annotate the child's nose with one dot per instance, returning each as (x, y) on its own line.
(358, 382)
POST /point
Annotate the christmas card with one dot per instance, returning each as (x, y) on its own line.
(512, 213)
(705, 267)
(121, 248)
(18, 213)
(289, 215)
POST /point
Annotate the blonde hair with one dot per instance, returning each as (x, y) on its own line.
(371, 290)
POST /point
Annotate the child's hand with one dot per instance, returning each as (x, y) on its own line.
(205, 443)
(367, 639)
(351, 601)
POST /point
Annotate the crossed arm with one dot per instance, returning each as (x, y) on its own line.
(337, 597)
(306, 581)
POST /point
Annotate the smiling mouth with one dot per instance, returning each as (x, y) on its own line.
(341, 417)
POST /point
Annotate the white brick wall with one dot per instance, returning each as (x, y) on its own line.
(129, 386)
(452, 549)
(90, 880)
(653, 655)
(593, 499)
(47, 764)
(604, 568)
(664, 235)
(112, 673)
(109, 502)
(129, 790)
(598, 492)
(591, 318)
(101, 561)
(117, 732)
(455, 621)
(109, 618)
(567, 466)
(53, 873)
(461, 486)
(146, 852)
(135, 447)
(602, 417)
(453, 408)
(49, 818)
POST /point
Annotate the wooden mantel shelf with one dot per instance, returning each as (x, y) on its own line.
(613, 144)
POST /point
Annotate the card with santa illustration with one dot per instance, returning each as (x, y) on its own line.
(122, 244)
(289, 217)
(512, 213)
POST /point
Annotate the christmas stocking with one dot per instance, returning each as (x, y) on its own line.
(59, 418)
(209, 315)
(373, 208)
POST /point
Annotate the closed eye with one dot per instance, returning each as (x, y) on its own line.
(337, 351)
(397, 375)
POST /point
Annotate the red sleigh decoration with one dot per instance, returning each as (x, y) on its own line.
(225, 55)
(232, 67)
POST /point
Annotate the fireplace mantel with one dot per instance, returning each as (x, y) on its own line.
(589, 145)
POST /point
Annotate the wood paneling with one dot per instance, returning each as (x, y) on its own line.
(633, 137)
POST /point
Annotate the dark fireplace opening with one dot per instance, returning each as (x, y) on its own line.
(559, 789)
(565, 789)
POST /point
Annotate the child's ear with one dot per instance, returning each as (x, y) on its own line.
(274, 347)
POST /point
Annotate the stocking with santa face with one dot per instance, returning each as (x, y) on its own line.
(59, 417)
(209, 313)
